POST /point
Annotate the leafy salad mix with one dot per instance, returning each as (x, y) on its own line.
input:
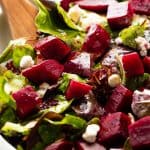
(85, 84)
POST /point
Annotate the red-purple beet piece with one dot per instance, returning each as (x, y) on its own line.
(97, 40)
(77, 89)
(120, 100)
(114, 129)
(141, 6)
(60, 145)
(52, 48)
(146, 62)
(79, 63)
(65, 4)
(27, 101)
(132, 64)
(95, 5)
(139, 134)
(119, 15)
(85, 146)
(47, 71)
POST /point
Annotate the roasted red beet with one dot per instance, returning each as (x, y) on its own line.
(77, 89)
(114, 129)
(132, 64)
(26, 100)
(146, 62)
(96, 41)
(79, 63)
(120, 100)
(141, 6)
(65, 4)
(47, 71)
(119, 15)
(52, 48)
(60, 145)
(139, 134)
(95, 5)
(85, 146)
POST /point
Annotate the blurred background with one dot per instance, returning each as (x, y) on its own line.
(19, 28)
(5, 35)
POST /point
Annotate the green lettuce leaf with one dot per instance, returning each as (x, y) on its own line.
(10, 82)
(128, 35)
(67, 20)
(66, 77)
(137, 82)
(5, 99)
(49, 133)
(15, 50)
(11, 129)
(13, 82)
(62, 105)
(74, 121)
(49, 22)
(7, 115)
(20, 51)
(8, 51)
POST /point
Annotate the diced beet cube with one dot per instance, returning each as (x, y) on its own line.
(79, 63)
(120, 100)
(77, 89)
(65, 4)
(139, 134)
(146, 62)
(47, 71)
(27, 101)
(141, 103)
(85, 146)
(97, 40)
(60, 145)
(114, 129)
(141, 6)
(95, 5)
(119, 15)
(52, 48)
(132, 64)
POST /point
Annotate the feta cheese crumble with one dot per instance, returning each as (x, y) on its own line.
(74, 13)
(26, 62)
(114, 80)
(118, 41)
(90, 133)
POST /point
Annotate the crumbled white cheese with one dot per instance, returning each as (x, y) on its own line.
(91, 18)
(118, 41)
(74, 13)
(90, 133)
(86, 107)
(143, 45)
(42, 89)
(26, 62)
(114, 80)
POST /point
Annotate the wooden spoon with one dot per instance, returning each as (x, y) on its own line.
(20, 14)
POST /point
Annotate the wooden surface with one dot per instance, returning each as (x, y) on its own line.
(20, 14)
